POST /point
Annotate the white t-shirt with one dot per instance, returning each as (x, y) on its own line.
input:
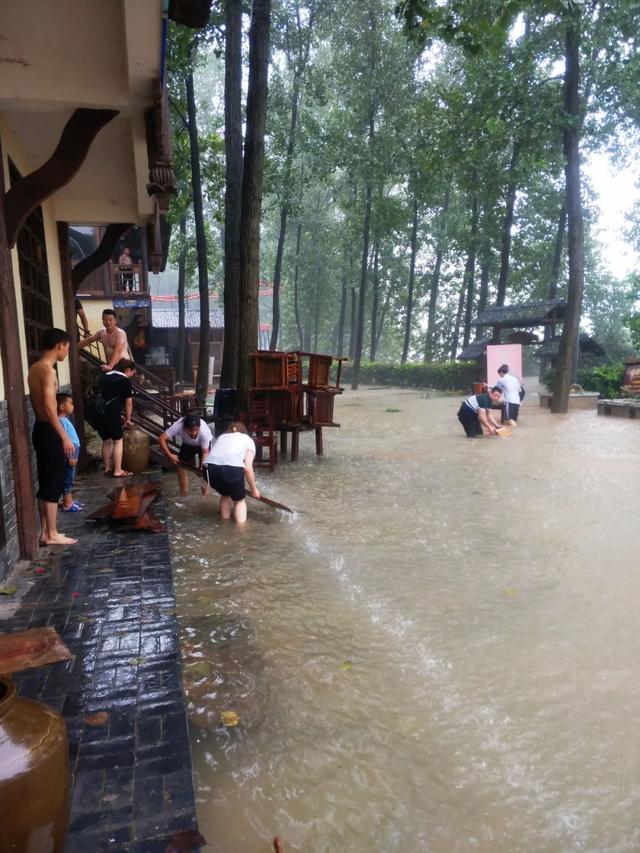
(230, 449)
(203, 439)
(510, 385)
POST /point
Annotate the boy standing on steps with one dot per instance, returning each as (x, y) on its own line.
(65, 410)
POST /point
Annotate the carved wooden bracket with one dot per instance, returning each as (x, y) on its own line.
(101, 255)
(158, 233)
(190, 13)
(162, 178)
(27, 193)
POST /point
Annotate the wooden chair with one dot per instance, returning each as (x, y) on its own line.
(261, 428)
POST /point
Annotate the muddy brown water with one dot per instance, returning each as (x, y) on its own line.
(440, 653)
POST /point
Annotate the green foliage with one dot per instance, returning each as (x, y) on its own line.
(446, 376)
(606, 379)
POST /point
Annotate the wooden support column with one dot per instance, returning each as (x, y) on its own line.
(72, 327)
(19, 434)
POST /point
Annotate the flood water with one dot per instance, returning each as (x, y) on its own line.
(439, 652)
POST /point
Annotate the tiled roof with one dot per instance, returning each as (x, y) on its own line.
(473, 351)
(165, 316)
(587, 345)
(529, 314)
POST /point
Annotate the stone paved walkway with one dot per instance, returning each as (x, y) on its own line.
(111, 599)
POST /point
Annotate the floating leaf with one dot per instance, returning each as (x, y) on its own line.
(345, 666)
(229, 718)
(110, 798)
(391, 409)
(201, 669)
(8, 590)
(101, 718)
(185, 840)
(510, 592)
(136, 661)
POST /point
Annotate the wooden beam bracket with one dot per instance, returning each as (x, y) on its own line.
(29, 192)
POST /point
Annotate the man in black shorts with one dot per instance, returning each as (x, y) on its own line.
(51, 443)
(474, 413)
(104, 413)
(195, 437)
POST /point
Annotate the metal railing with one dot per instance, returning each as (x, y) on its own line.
(127, 279)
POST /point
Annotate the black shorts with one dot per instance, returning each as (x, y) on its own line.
(470, 421)
(511, 411)
(51, 461)
(188, 453)
(110, 428)
(227, 480)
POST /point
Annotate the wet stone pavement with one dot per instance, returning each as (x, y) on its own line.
(111, 599)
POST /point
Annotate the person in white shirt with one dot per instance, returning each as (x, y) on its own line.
(512, 392)
(229, 462)
(196, 439)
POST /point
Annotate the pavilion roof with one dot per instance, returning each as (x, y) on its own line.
(527, 314)
(473, 351)
(587, 345)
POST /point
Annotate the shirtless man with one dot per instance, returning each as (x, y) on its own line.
(112, 338)
(50, 441)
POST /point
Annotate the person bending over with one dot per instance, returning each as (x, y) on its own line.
(196, 439)
(228, 463)
(513, 393)
(475, 413)
(52, 445)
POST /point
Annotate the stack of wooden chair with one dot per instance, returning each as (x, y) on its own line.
(292, 392)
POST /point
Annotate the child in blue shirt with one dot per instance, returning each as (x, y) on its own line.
(65, 410)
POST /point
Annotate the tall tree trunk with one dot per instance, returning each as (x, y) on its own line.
(376, 298)
(383, 314)
(233, 190)
(252, 180)
(364, 265)
(554, 275)
(470, 270)
(366, 225)
(296, 276)
(201, 244)
(182, 279)
(343, 313)
(485, 272)
(455, 340)
(412, 274)
(299, 70)
(507, 227)
(354, 321)
(556, 261)
(568, 355)
(435, 280)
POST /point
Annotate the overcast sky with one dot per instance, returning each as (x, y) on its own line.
(617, 191)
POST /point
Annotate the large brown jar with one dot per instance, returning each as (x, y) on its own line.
(34, 775)
(136, 450)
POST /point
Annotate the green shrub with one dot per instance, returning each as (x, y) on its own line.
(606, 379)
(444, 376)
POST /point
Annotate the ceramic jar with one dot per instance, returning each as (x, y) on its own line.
(34, 775)
(136, 450)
